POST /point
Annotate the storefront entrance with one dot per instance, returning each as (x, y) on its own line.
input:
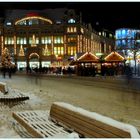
(34, 60)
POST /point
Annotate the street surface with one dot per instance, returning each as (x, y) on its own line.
(110, 97)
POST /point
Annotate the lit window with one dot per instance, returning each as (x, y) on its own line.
(58, 39)
(30, 40)
(9, 40)
(58, 22)
(37, 40)
(71, 50)
(8, 23)
(22, 22)
(71, 21)
(46, 40)
(68, 30)
(82, 30)
(110, 35)
(21, 40)
(99, 33)
(75, 30)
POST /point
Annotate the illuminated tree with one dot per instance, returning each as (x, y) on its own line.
(6, 58)
(21, 51)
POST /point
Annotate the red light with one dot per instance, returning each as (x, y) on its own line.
(32, 14)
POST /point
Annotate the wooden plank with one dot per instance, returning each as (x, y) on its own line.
(37, 126)
(78, 127)
(101, 126)
(3, 87)
(29, 128)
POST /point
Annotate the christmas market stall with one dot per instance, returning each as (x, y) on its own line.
(113, 64)
(86, 64)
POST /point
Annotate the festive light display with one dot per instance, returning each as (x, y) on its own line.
(88, 56)
(33, 17)
(114, 56)
(6, 59)
(21, 52)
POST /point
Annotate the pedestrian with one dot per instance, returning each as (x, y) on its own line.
(9, 71)
(128, 73)
(4, 71)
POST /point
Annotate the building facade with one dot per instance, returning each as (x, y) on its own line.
(128, 44)
(49, 37)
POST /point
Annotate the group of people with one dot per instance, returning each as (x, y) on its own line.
(8, 70)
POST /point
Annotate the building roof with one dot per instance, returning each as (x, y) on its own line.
(88, 57)
(114, 57)
(57, 14)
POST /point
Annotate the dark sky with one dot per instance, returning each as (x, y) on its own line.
(109, 15)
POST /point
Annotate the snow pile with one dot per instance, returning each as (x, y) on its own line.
(71, 135)
(5, 132)
(33, 100)
(126, 127)
(5, 128)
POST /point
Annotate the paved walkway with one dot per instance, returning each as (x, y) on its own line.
(119, 82)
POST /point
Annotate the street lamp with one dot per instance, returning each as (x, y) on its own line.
(56, 58)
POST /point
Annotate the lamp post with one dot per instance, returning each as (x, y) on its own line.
(56, 58)
(134, 51)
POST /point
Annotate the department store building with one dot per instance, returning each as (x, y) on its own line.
(50, 37)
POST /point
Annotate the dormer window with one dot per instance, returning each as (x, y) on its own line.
(9, 23)
(71, 21)
(58, 22)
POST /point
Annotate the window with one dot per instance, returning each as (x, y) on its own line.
(33, 40)
(22, 22)
(8, 23)
(71, 30)
(82, 30)
(75, 29)
(33, 21)
(46, 40)
(21, 40)
(59, 50)
(58, 22)
(58, 40)
(71, 50)
(71, 21)
(9, 40)
(46, 51)
(110, 35)
(72, 39)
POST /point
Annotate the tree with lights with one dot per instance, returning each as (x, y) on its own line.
(6, 63)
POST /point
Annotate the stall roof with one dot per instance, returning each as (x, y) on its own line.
(114, 57)
(88, 57)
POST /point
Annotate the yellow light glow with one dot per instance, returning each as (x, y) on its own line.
(21, 52)
(65, 45)
(15, 45)
(33, 41)
(86, 54)
(33, 17)
(2, 45)
(112, 53)
(33, 54)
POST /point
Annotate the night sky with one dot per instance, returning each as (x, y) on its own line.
(108, 15)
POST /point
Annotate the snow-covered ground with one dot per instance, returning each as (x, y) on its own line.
(118, 105)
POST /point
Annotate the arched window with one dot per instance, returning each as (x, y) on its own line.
(33, 21)
(71, 20)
